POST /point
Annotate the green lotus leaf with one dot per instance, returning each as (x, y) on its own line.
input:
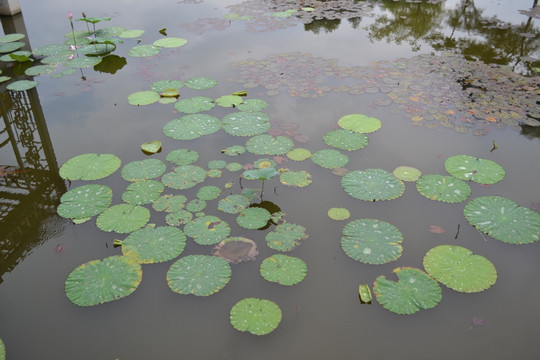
(11, 37)
(22, 85)
(295, 178)
(192, 126)
(286, 236)
(39, 70)
(89, 167)
(201, 83)
(164, 85)
(217, 164)
(229, 100)
(233, 204)
(234, 150)
(184, 177)
(459, 269)
(283, 269)
(170, 42)
(359, 123)
(407, 173)
(256, 316)
(2, 350)
(260, 174)
(236, 249)
(208, 193)
(4, 78)
(246, 123)
(85, 201)
(154, 245)
(49, 50)
(141, 98)
(252, 105)
(110, 31)
(503, 219)
(346, 139)
(141, 51)
(151, 147)
(330, 158)
(169, 203)
(182, 156)
(100, 281)
(372, 185)
(20, 56)
(55, 60)
(339, 214)
(264, 163)
(443, 188)
(253, 218)
(200, 275)
(95, 49)
(371, 241)
(207, 230)
(11, 46)
(143, 170)
(233, 167)
(365, 293)
(196, 205)
(214, 173)
(82, 62)
(123, 218)
(466, 167)
(177, 218)
(143, 192)
(299, 154)
(414, 291)
(130, 34)
(268, 145)
(169, 96)
(194, 105)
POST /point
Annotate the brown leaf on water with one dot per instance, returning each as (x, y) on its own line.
(435, 229)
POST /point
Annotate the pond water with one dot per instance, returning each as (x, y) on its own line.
(444, 78)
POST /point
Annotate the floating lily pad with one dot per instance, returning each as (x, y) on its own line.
(154, 245)
(233, 204)
(414, 291)
(466, 167)
(200, 275)
(229, 100)
(365, 293)
(443, 188)
(371, 241)
(85, 201)
(141, 51)
(141, 98)
(184, 177)
(196, 205)
(503, 219)
(123, 218)
(208, 192)
(11, 46)
(252, 105)
(214, 173)
(339, 214)
(49, 50)
(11, 37)
(330, 159)
(295, 178)
(101, 281)
(260, 174)
(236, 250)
(109, 31)
(346, 139)
(82, 62)
(22, 85)
(269, 145)
(217, 164)
(194, 105)
(177, 218)
(407, 173)
(4, 78)
(191, 127)
(89, 167)
(257, 316)
(201, 83)
(207, 230)
(459, 269)
(39, 70)
(182, 156)
(169, 203)
(253, 218)
(131, 34)
(170, 42)
(233, 167)
(299, 154)
(372, 185)
(234, 150)
(151, 147)
(359, 123)
(246, 123)
(286, 236)
(96, 49)
(143, 192)
(164, 85)
(283, 269)
(143, 170)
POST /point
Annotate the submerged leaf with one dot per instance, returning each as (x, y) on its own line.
(236, 250)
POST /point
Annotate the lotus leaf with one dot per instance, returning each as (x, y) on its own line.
(11, 46)
(85, 201)
(130, 34)
(151, 147)
(346, 139)
(11, 37)
(217, 164)
(201, 83)
(260, 174)
(101, 281)
(123, 218)
(177, 218)
(56, 59)
(147, 50)
(82, 62)
(89, 167)
(459, 269)
(414, 291)
(191, 127)
(20, 56)
(49, 50)
(299, 154)
(164, 85)
(143, 170)
(443, 188)
(253, 218)
(196, 205)
(184, 177)
(200, 275)
(22, 85)
(268, 145)
(233, 167)
(169, 203)
(143, 98)
(208, 193)
(359, 123)
(286, 236)
(95, 49)
(40, 69)
(264, 163)
(503, 219)
(466, 167)
(207, 230)
(233, 204)
(2, 350)
(4, 78)
(283, 269)
(246, 123)
(154, 245)
(170, 42)
(169, 96)
(214, 173)
(143, 192)
(330, 158)
(295, 178)
(372, 185)
(229, 100)
(236, 250)
(339, 214)
(110, 31)
(194, 105)
(182, 156)
(257, 316)
(407, 173)
(365, 293)
(252, 105)
(371, 241)
(234, 150)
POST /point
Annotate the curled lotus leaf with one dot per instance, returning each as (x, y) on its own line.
(151, 147)
(85, 201)
(154, 245)
(207, 230)
(233, 204)
(184, 177)
(260, 174)
(143, 170)
(2, 350)
(443, 188)
(141, 98)
(89, 167)
(283, 269)
(359, 123)
(253, 218)
(169, 203)
(269, 145)
(407, 173)
(143, 192)
(286, 236)
(295, 178)
(182, 156)
(236, 249)
(256, 316)
(194, 105)
(330, 159)
(123, 218)
(372, 185)
(200, 275)
(346, 139)
(201, 83)
(246, 123)
(192, 126)
(466, 167)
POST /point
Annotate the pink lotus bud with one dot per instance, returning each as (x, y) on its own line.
(71, 57)
(72, 47)
(84, 15)
(70, 15)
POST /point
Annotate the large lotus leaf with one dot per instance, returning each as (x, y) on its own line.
(182, 156)
(459, 269)
(229, 100)
(170, 203)
(82, 62)
(359, 123)
(170, 42)
(286, 236)
(146, 50)
(330, 158)
(295, 178)
(143, 170)
(466, 167)
(154, 245)
(371, 241)
(196, 205)
(283, 269)
(372, 185)
(194, 105)
(11, 46)
(22, 85)
(236, 249)
(246, 123)
(123, 218)
(201, 83)
(164, 85)
(85, 201)
(257, 316)
(101, 281)
(207, 230)
(346, 139)
(252, 105)
(414, 291)
(253, 218)
(268, 145)
(233, 204)
(443, 188)
(208, 192)
(141, 98)
(192, 126)
(177, 218)
(89, 167)
(503, 219)
(407, 173)
(184, 177)
(143, 192)
(11, 37)
(299, 154)
(200, 275)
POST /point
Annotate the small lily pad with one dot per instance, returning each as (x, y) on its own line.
(286, 236)
(184, 177)
(330, 159)
(143, 192)
(234, 166)
(233, 204)
(170, 203)
(217, 164)
(283, 269)
(257, 316)
(151, 147)
(131, 34)
(194, 105)
(295, 178)
(89, 167)
(208, 193)
(466, 167)
(143, 170)
(170, 42)
(443, 188)
(207, 230)
(365, 293)
(82, 62)
(196, 205)
(182, 156)
(372, 185)
(252, 105)
(346, 139)
(191, 127)
(164, 85)
(264, 163)
(234, 150)
(359, 123)
(229, 100)
(22, 85)
(299, 154)
(141, 98)
(85, 201)
(141, 51)
(268, 145)
(201, 83)
(407, 173)
(200, 275)
(246, 123)
(339, 214)
(123, 218)
(154, 245)
(177, 218)
(236, 250)
(253, 218)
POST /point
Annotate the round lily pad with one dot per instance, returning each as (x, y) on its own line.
(443, 188)
(85, 201)
(207, 230)
(214, 173)
(299, 154)
(194, 105)
(286, 236)
(200, 275)
(49, 50)
(268, 145)
(264, 163)
(252, 105)
(146, 50)
(359, 123)
(236, 250)
(130, 34)
(192, 126)
(143, 98)
(246, 123)
(201, 83)
(346, 139)
(22, 85)
(170, 203)
(143, 170)
(208, 192)
(372, 185)
(253, 218)
(82, 62)
(184, 177)
(234, 150)
(95, 49)
(39, 70)
(170, 42)
(233, 204)
(503, 219)
(414, 291)
(295, 178)
(339, 214)
(11, 37)
(330, 159)
(123, 218)
(217, 164)
(101, 281)
(143, 192)
(371, 241)
(154, 245)
(229, 100)
(283, 269)
(164, 85)
(180, 217)
(407, 173)
(466, 167)
(234, 166)
(89, 167)
(196, 205)
(11, 46)
(182, 156)
(257, 316)
(459, 269)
